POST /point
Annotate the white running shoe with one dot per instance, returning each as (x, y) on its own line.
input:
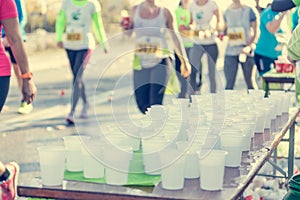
(25, 108)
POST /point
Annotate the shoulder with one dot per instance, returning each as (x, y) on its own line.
(133, 9)
(167, 13)
(212, 3)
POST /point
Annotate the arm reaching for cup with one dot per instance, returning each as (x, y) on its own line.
(185, 67)
(14, 38)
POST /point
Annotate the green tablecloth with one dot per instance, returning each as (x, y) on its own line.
(136, 176)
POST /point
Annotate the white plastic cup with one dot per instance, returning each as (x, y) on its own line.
(52, 164)
(233, 145)
(74, 152)
(92, 168)
(212, 170)
(117, 163)
(191, 161)
(151, 148)
(172, 172)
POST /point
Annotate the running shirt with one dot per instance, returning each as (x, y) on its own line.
(267, 42)
(78, 33)
(150, 40)
(238, 23)
(7, 10)
(202, 16)
(183, 18)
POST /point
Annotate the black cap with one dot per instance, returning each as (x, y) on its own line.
(282, 5)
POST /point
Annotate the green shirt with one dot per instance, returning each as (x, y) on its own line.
(183, 17)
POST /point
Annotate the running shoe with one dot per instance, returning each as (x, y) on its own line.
(9, 187)
(25, 108)
(84, 110)
(70, 118)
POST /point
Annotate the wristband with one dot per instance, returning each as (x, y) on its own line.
(27, 75)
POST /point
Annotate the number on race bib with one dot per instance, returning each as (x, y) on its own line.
(236, 36)
(74, 36)
(147, 48)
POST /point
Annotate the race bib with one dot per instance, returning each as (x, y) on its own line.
(74, 36)
(236, 36)
(149, 47)
(150, 51)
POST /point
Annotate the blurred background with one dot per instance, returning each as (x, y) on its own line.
(42, 15)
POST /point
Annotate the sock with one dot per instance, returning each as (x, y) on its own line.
(5, 175)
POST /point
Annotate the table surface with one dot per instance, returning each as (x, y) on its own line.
(273, 76)
(236, 179)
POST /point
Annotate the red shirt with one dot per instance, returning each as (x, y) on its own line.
(7, 10)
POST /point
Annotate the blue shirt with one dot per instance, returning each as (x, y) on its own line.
(22, 16)
(267, 41)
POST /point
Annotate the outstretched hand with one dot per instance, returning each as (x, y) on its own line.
(28, 90)
(185, 69)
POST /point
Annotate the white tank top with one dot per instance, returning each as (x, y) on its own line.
(150, 40)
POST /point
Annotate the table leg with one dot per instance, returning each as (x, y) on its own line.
(267, 89)
(291, 151)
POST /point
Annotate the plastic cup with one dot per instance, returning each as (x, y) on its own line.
(74, 152)
(172, 172)
(212, 170)
(232, 143)
(117, 162)
(52, 164)
(191, 161)
(92, 168)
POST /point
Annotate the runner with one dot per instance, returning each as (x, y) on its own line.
(267, 47)
(203, 12)
(241, 29)
(152, 65)
(75, 19)
(22, 16)
(9, 21)
(184, 20)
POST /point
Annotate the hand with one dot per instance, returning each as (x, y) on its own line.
(28, 90)
(185, 69)
(60, 44)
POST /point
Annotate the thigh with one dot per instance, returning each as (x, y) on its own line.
(78, 65)
(159, 77)
(196, 54)
(141, 88)
(212, 52)
(230, 66)
(4, 87)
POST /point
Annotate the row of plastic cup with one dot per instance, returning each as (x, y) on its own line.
(98, 160)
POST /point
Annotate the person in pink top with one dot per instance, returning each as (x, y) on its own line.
(9, 21)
